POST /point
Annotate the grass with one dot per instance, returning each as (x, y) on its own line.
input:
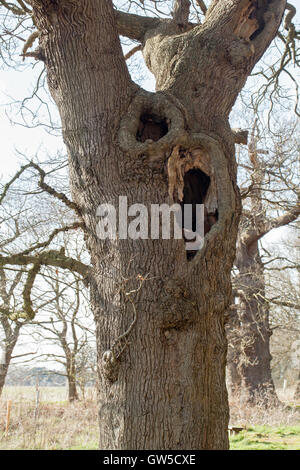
(57, 424)
(28, 394)
(267, 438)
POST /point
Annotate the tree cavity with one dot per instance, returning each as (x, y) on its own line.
(151, 127)
(195, 189)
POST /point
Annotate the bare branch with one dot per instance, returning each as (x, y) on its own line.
(47, 258)
(132, 52)
(61, 196)
(29, 43)
(202, 6)
(24, 6)
(13, 8)
(134, 26)
(288, 19)
(55, 232)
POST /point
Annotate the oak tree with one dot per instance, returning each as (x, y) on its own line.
(159, 313)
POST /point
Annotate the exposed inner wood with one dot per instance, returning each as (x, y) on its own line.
(180, 163)
(248, 23)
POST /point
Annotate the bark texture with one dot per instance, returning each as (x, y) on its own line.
(160, 317)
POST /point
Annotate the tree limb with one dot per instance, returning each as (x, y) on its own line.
(134, 26)
(132, 52)
(285, 219)
(61, 196)
(13, 8)
(24, 7)
(291, 13)
(48, 258)
(253, 21)
(202, 6)
(29, 43)
(32, 273)
(55, 232)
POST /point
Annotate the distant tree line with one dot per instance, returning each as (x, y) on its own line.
(25, 376)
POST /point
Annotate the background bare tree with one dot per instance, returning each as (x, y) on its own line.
(282, 284)
(10, 329)
(270, 201)
(31, 224)
(66, 326)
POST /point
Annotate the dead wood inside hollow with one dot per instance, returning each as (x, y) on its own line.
(196, 185)
(151, 127)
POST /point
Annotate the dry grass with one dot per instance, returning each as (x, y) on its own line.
(56, 424)
(28, 394)
(287, 414)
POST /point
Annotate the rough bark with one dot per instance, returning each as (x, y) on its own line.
(249, 357)
(166, 389)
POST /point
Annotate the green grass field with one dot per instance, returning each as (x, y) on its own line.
(56, 424)
(267, 438)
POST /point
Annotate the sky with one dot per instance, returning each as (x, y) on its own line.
(16, 85)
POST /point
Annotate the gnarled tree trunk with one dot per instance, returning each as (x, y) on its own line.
(166, 389)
